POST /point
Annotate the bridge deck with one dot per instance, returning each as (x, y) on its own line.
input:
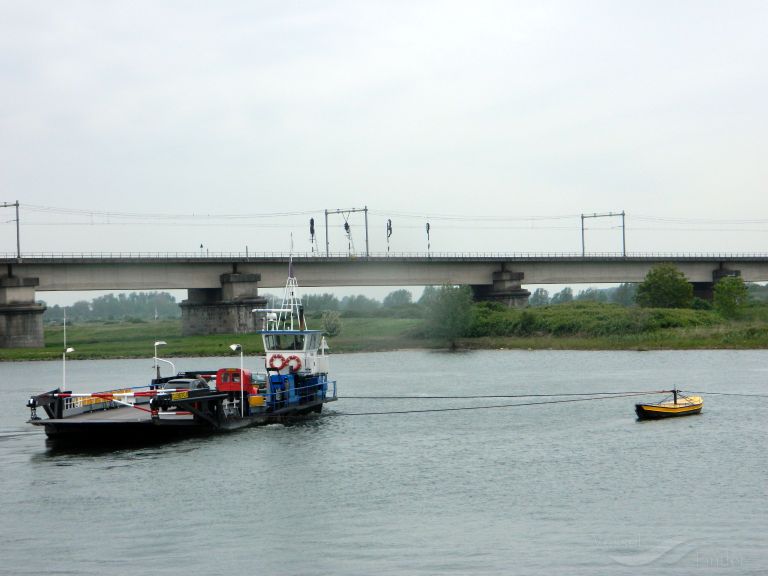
(143, 271)
(279, 257)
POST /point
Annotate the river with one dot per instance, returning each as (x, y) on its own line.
(572, 488)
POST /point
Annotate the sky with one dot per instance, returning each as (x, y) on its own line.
(165, 126)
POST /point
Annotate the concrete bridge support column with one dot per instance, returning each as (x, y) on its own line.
(225, 310)
(706, 290)
(506, 289)
(21, 318)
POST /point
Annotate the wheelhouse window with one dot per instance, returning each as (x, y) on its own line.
(284, 341)
(313, 342)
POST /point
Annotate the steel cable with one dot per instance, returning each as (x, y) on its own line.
(460, 408)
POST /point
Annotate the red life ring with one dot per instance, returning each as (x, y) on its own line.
(275, 359)
(296, 360)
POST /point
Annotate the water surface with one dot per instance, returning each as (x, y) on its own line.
(578, 488)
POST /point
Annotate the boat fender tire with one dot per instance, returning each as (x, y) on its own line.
(293, 362)
(277, 362)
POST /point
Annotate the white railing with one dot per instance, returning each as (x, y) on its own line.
(89, 403)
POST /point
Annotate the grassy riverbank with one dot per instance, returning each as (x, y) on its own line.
(597, 326)
(713, 338)
(136, 339)
(563, 327)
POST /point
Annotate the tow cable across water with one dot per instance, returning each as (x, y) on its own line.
(589, 397)
(728, 394)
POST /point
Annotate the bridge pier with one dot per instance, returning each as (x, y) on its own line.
(225, 310)
(21, 318)
(506, 288)
(706, 290)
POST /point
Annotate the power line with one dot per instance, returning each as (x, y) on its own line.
(162, 216)
(383, 213)
(220, 221)
(215, 221)
(659, 229)
(295, 226)
(469, 218)
(701, 220)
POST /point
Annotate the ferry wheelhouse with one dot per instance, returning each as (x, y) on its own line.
(296, 358)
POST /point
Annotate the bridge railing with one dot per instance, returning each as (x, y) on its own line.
(217, 256)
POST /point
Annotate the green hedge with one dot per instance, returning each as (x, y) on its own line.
(582, 319)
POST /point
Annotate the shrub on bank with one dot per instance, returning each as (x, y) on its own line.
(582, 319)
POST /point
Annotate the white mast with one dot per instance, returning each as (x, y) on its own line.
(283, 318)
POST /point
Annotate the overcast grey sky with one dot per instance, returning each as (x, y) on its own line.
(516, 116)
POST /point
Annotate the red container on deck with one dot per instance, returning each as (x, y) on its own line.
(228, 380)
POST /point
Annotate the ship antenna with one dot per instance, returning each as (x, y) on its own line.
(290, 259)
(291, 299)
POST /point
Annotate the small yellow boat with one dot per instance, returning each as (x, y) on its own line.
(680, 405)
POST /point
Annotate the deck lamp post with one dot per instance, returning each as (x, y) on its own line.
(157, 366)
(64, 368)
(238, 348)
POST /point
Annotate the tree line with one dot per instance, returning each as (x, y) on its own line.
(624, 294)
(137, 306)
(145, 306)
(664, 287)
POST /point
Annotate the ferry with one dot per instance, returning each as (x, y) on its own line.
(680, 405)
(294, 383)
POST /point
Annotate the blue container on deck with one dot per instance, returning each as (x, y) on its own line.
(276, 391)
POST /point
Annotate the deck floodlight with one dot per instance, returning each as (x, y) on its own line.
(157, 366)
(64, 368)
(239, 348)
(159, 343)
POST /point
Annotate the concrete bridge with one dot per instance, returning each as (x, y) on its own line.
(223, 287)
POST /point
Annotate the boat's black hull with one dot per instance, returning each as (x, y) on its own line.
(102, 432)
(645, 412)
(118, 435)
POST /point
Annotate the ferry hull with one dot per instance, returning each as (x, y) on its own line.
(122, 426)
(116, 433)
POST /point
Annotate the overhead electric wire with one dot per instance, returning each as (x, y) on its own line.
(701, 220)
(210, 223)
(226, 221)
(218, 221)
(686, 230)
(161, 216)
(241, 216)
(384, 213)
(468, 218)
(534, 223)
